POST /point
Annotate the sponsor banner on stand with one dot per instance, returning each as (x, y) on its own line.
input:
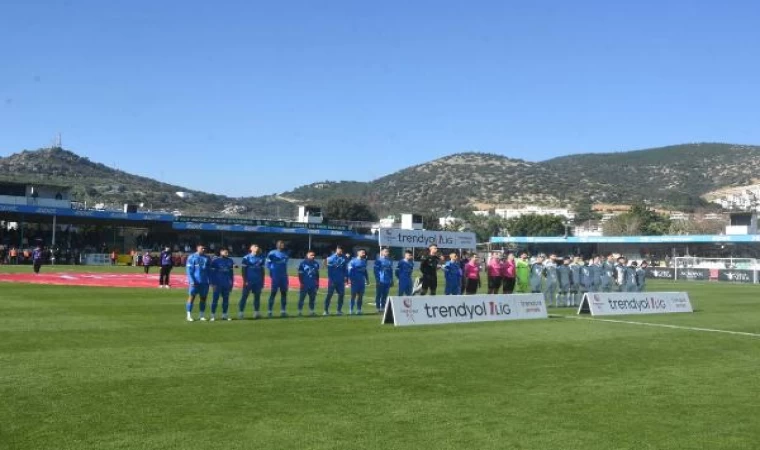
(623, 303)
(693, 274)
(394, 237)
(737, 275)
(442, 309)
(660, 273)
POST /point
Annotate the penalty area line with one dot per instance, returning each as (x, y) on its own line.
(662, 325)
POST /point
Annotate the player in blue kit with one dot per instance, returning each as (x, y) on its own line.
(404, 271)
(222, 275)
(253, 280)
(197, 269)
(357, 274)
(308, 275)
(383, 279)
(452, 272)
(337, 277)
(277, 262)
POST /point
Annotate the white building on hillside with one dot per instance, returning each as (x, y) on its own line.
(537, 210)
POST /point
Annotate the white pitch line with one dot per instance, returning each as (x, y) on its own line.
(665, 325)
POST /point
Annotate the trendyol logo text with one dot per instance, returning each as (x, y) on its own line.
(468, 311)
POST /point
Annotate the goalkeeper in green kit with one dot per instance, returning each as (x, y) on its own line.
(522, 275)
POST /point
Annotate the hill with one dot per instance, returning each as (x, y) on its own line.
(673, 177)
(94, 183)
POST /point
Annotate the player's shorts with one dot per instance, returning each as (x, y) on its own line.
(494, 282)
(338, 286)
(223, 289)
(253, 287)
(200, 290)
(564, 287)
(358, 288)
(279, 283)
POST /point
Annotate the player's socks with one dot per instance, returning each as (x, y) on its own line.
(240, 315)
(225, 317)
(189, 317)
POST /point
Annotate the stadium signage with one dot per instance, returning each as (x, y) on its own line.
(443, 309)
(259, 223)
(624, 303)
(394, 237)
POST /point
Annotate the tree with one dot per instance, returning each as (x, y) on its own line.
(584, 212)
(639, 220)
(349, 210)
(430, 222)
(536, 225)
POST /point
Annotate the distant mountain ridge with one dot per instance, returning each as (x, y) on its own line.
(676, 177)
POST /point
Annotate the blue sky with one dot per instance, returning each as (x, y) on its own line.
(249, 97)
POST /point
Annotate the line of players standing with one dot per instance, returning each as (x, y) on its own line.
(564, 281)
(217, 275)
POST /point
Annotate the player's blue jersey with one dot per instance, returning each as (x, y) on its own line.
(277, 261)
(337, 268)
(222, 272)
(357, 271)
(308, 273)
(452, 272)
(253, 267)
(404, 270)
(197, 269)
(550, 269)
(383, 271)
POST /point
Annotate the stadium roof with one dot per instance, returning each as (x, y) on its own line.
(668, 239)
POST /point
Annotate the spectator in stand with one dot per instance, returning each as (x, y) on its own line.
(495, 271)
(146, 260)
(113, 258)
(509, 274)
(472, 275)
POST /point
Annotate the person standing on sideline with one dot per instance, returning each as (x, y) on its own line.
(113, 257)
(404, 271)
(429, 268)
(575, 281)
(537, 275)
(37, 257)
(563, 274)
(277, 261)
(146, 261)
(522, 274)
(463, 262)
(222, 277)
(495, 270)
(357, 273)
(383, 279)
(508, 275)
(596, 274)
(308, 275)
(631, 277)
(253, 280)
(197, 269)
(337, 277)
(453, 274)
(620, 271)
(166, 261)
(641, 276)
(472, 274)
(608, 274)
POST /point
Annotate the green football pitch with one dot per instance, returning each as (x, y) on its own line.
(109, 368)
